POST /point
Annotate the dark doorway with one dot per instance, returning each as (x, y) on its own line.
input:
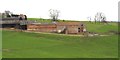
(79, 30)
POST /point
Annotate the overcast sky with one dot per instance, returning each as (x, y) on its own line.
(69, 9)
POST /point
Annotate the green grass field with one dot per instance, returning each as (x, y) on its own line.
(33, 45)
(40, 45)
(0, 44)
(101, 27)
(45, 20)
(40, 20)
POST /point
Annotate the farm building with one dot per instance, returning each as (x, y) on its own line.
(20, 22)
(60, 27)
(10, 20)
(41, 27)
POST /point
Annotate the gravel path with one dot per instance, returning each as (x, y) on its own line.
(89, 35)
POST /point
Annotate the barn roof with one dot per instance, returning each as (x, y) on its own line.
(69, 23)
(59, 23)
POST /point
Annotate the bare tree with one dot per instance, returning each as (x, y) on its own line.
(54, 14)
(89, 18)
(100, 17)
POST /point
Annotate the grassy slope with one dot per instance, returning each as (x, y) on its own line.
(44, 20)
(29, 45)
(40, 20)
(101, 27)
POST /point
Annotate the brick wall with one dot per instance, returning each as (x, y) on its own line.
(67, 27)
(41, 27)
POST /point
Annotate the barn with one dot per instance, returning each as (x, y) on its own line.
(41, 27)
(60, 27)
(70, 27)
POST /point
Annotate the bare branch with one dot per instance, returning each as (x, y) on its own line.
(54, 14)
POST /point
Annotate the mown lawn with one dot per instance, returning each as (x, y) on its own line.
(34, 45)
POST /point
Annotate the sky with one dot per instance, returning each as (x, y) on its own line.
(69, 9)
